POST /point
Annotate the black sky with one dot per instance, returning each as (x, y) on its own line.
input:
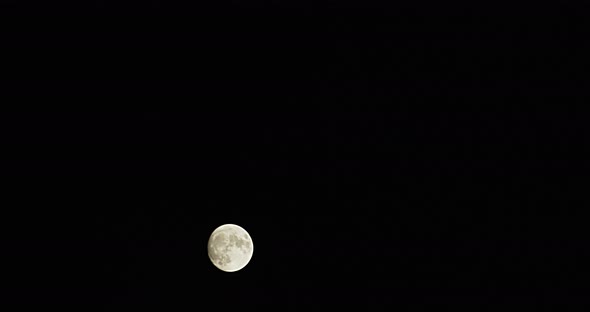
(409, 206)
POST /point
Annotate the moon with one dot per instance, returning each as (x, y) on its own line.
(230, 248)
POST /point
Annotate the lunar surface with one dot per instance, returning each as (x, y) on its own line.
(230, 248)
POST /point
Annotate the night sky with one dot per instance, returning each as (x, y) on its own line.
(333, 137)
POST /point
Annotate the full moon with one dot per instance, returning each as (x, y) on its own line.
(230, 248)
